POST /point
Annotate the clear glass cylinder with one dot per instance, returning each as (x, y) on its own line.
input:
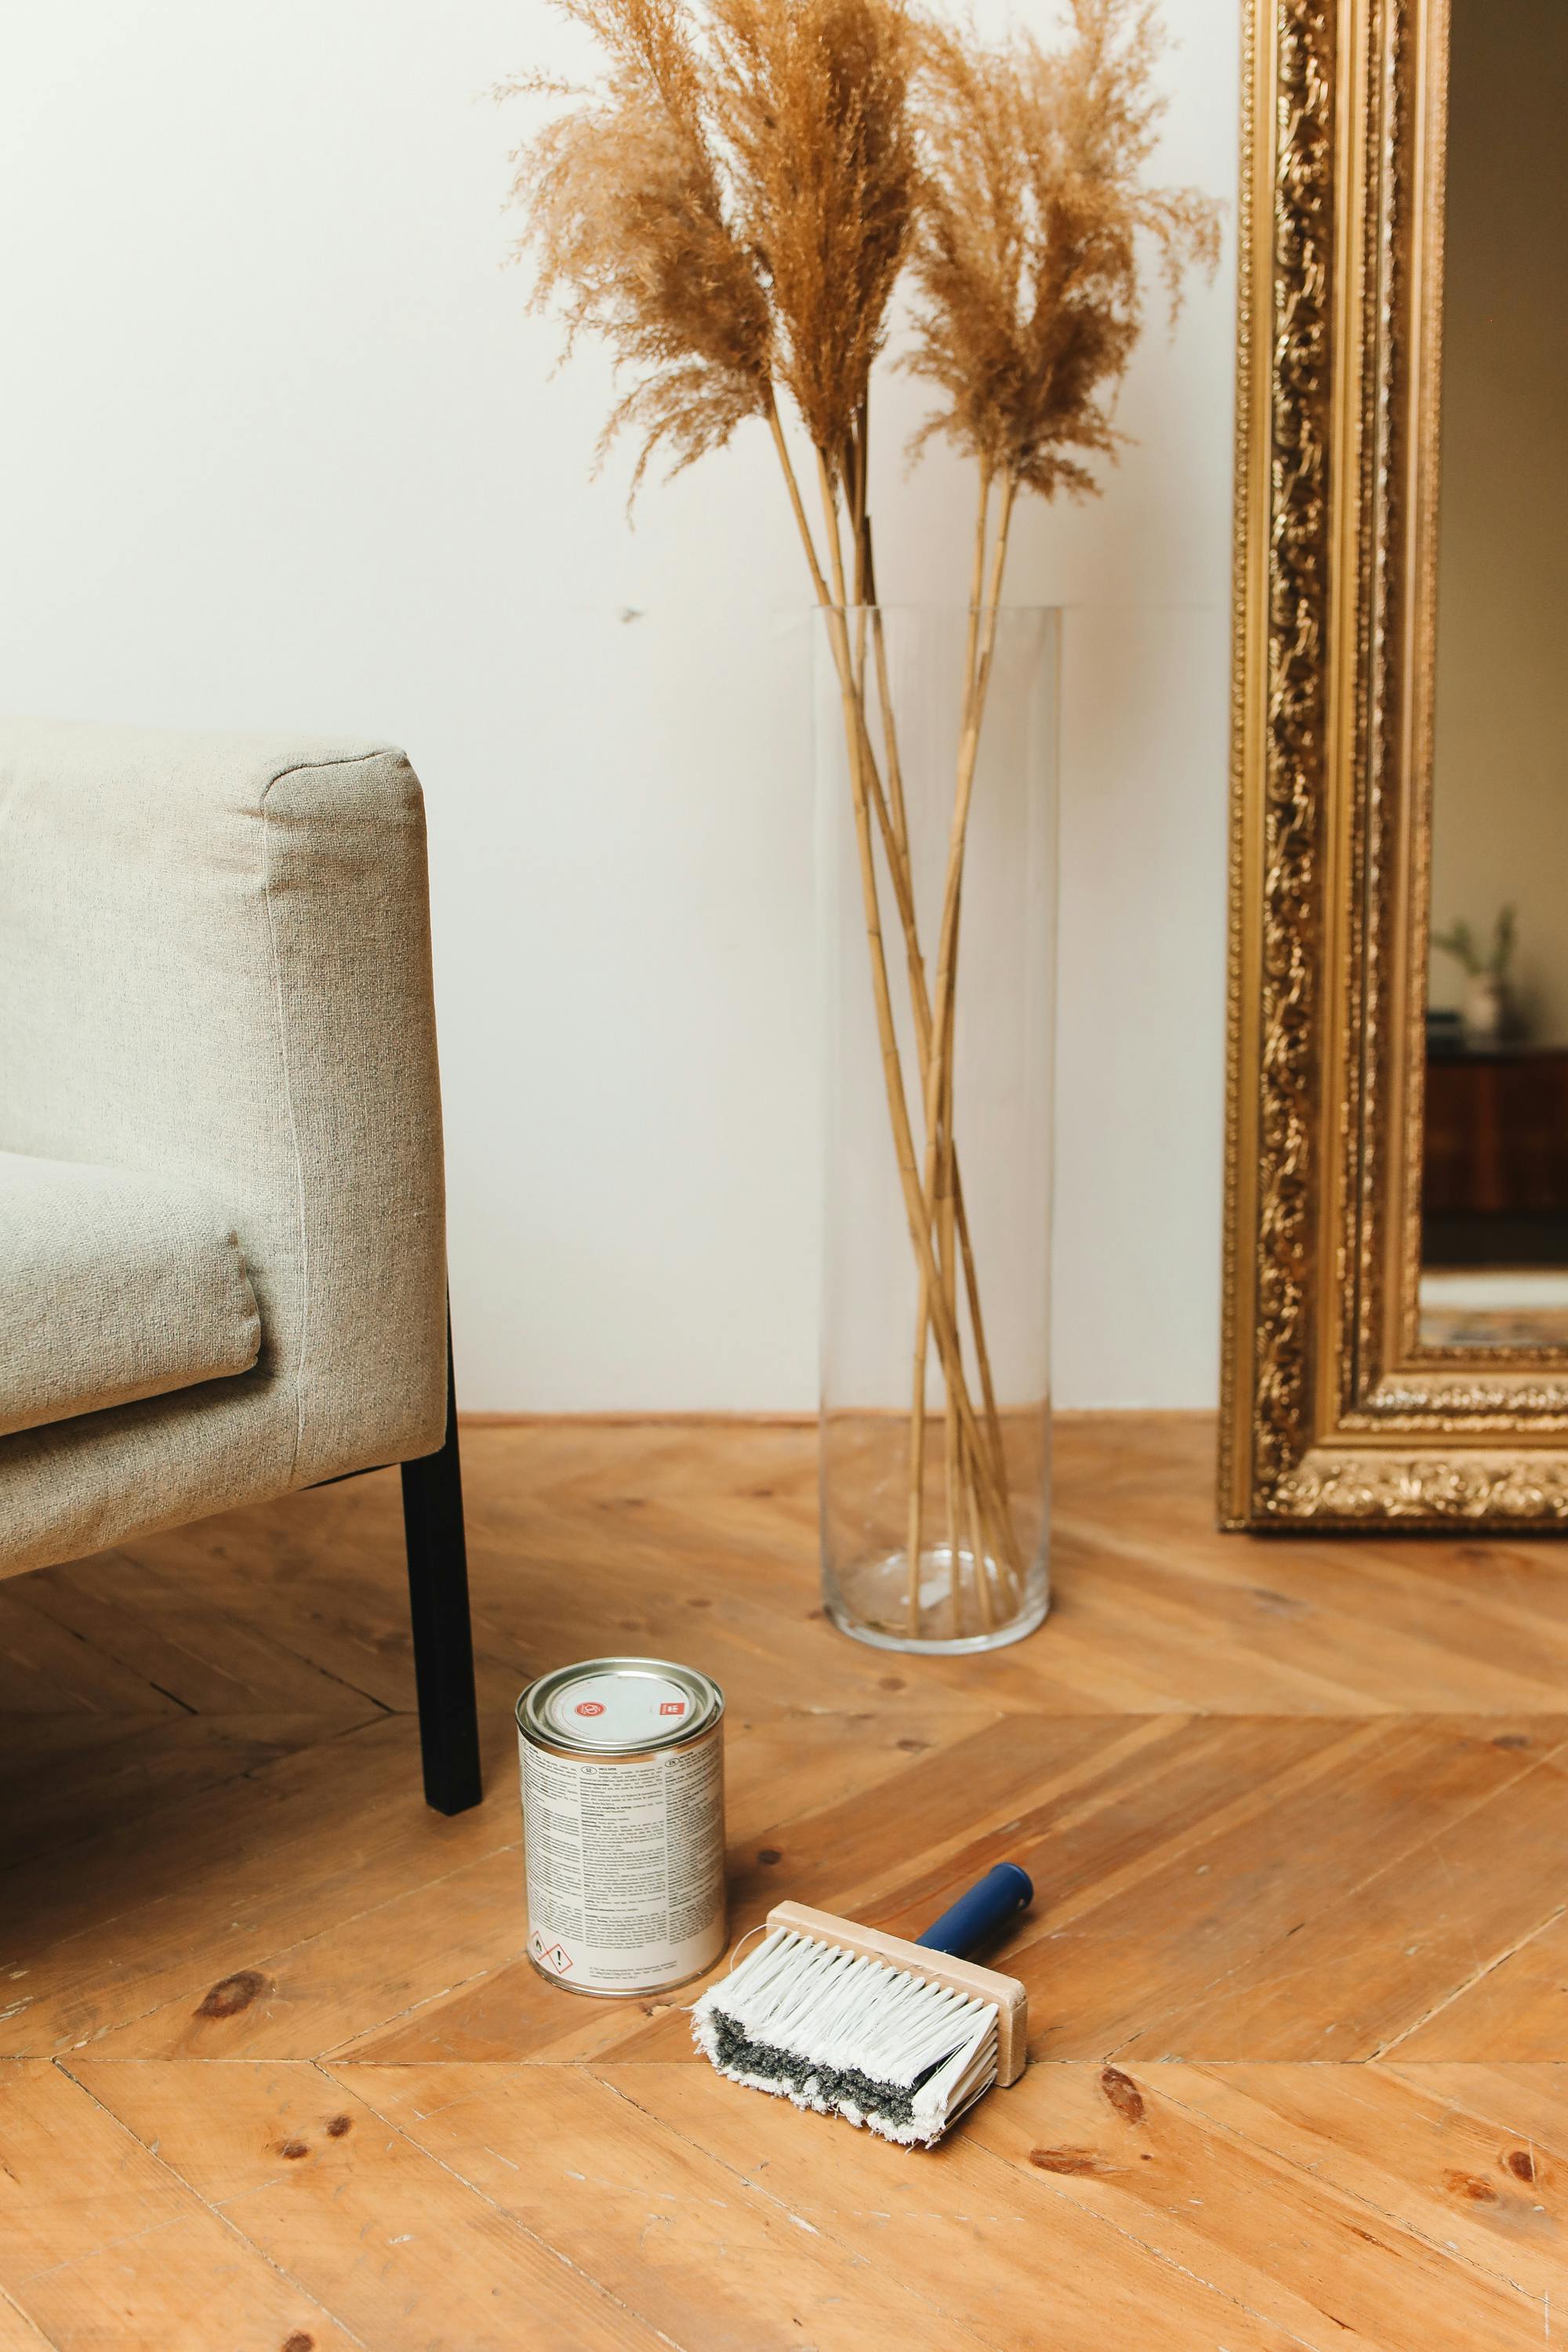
(936, 733)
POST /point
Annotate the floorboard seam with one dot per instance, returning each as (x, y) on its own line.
(99, 1649)
(1098, 1540)
(1447, 2250)
(1385, 2048)
(1148, 1732)
(511, 2221)
(1156, 2253)
(62, 1843)
(761, 2189)
(25, 2316)
(345, 2050)
(1201, 1830)
(206, 2205)
(1167, 2262)
(271, 1634)
(1222, 2295)
(61, 1990)
(1401, 2069)
(283, 1952)
(1347, 1895)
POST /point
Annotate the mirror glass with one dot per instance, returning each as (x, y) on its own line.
(1494, 1181)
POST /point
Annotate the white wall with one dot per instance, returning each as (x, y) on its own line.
(279, 447)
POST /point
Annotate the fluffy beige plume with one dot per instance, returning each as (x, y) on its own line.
(813, 97)
(623, 199)
(1024, 260)
(728, 208)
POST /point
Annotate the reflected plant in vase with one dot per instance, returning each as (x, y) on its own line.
(734, 206)
(1488, 1013)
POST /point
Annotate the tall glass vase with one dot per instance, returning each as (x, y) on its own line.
(936, 768)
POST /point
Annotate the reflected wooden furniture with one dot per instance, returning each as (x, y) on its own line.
(1494, 1185)
(276, 2074)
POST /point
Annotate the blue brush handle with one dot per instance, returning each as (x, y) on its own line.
(974, 1918)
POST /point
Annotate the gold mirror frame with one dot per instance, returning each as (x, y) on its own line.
(1334, 1413)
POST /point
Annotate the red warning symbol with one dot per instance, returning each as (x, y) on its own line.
(590, 1707)
(672, 1706)
(558, 1958)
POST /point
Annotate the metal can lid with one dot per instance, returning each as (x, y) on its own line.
(619, 1705)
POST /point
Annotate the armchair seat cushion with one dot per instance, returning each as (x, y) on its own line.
(114, 1284)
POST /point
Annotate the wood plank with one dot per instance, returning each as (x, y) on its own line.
(1302, 1630)
(1169, 1785)
(1159, 1957)
(656, 2220)
(1525, 2102)
(17, 2333)
(1515, 2006)
(755, 2213)
(46, 1669)
(1365, 1959)
(512, 2012)
(406, 2254)
(102, 2245)
(1409, 1620)
(841, 1855)
(56, 1796)
(1038, 2270)
(1283, 2240)
(123, 1924)
(195, 1653)
(357, 1974)
(1449, 2174)
(785, 1760)
(281, 1572)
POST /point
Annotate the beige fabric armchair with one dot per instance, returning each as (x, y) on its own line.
(222, 1249)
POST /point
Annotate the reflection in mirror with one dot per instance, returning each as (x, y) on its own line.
(1495, 1173)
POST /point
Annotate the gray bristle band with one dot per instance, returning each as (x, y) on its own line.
(849, 2036)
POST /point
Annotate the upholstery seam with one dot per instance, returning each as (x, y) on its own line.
(300, 767)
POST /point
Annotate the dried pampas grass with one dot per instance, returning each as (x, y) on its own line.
(732, 207)
(629, 224)
(811, 98)
(1024, 259)
(729, 208)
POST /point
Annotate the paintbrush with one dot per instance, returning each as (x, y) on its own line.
(902, 2037)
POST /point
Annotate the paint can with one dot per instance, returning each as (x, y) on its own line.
(623, 1820)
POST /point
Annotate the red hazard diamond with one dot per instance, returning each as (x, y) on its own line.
(557, 1957)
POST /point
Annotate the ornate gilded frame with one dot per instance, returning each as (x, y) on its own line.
(1334, 1412)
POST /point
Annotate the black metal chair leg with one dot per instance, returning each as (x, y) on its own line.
(443, 1637)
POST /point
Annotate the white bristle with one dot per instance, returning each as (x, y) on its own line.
(797, 2017)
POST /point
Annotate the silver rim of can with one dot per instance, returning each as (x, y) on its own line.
(537, 1725)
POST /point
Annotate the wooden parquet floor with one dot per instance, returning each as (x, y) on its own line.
(275, 2077)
